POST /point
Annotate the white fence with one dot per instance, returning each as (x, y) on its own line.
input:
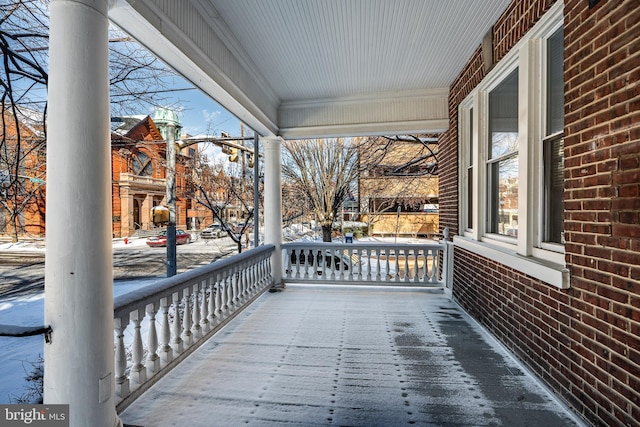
(356, 263)
(156, 327)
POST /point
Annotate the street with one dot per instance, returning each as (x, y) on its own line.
(22, 272)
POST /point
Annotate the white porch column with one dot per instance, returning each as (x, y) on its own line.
(273, 203)
(79, 361)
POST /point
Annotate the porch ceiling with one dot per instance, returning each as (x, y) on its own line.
(313, 68)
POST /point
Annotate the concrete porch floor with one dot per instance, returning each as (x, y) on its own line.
(345, 356)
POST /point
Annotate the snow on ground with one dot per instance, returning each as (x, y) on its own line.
(18, 353)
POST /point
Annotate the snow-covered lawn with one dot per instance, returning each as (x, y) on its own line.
(17, 354)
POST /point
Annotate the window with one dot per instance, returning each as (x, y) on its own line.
(553, 147)
(502, 165)
(511, 157)
(141, 164)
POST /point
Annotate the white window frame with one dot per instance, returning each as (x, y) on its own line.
(467, 159)
(526, 252)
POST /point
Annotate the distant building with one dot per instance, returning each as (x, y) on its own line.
(138, 172)
(394, 190)
(138, 169)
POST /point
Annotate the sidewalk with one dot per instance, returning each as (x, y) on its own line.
(314, 356)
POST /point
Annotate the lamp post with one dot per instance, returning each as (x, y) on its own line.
(172, 262)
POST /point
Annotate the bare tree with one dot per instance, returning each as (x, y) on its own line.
(325, 171)
(223, 189)
(138, 81)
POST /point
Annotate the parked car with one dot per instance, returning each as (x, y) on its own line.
(182, 237)
(238, 227)
(320, 263)
(212, 231)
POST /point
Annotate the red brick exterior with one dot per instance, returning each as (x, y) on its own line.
(584, 342)
(33, 160)
(143, 137)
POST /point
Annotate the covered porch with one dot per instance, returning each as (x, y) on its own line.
(561, 290)
(341, 355)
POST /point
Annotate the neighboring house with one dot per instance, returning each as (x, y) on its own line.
(22, 173)
(138, 165)
(138, 162)
(541, 188)
(393, 191)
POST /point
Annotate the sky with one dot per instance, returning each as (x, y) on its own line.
(201, 115)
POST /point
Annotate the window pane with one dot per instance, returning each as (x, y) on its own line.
(553, 190)
(555, 83)
(470, 145)
(470, 173)
(470, 197)
(503, 117)
(503, 197)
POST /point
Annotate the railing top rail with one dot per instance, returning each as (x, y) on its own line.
(432, 244)
(128, 302)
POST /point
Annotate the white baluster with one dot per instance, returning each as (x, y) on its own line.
(329, 258)
(388, 271)
(228, 304)
(406, 264)
(219, 299)
(166, 353)
(242, 283)
(138, 372)
(187, 336)
(176, 330)
(369, 254)
(262, 271)
(255, 271)
(153, 360)
(269, 270)
(211, 302)
(204, 308)
(196, 332)
(436, 266)
(237, 280)
(396, 261)
(228, 285)
(122, 381)
(350, 272)
(314, 264)
(288, 271)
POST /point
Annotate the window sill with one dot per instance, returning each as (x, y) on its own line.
(554, 274)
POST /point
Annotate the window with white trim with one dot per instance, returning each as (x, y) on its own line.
(511, 151)
(552, 144)
(466, 213)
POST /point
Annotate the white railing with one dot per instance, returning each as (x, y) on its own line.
(356, 263)
(157, 326)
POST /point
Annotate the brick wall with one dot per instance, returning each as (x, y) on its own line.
(602, 204)
(584, 341)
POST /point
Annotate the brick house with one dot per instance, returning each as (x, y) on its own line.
(394, 189)
(138, 160)
(551, 107)
(22, 194)
(138, 178)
